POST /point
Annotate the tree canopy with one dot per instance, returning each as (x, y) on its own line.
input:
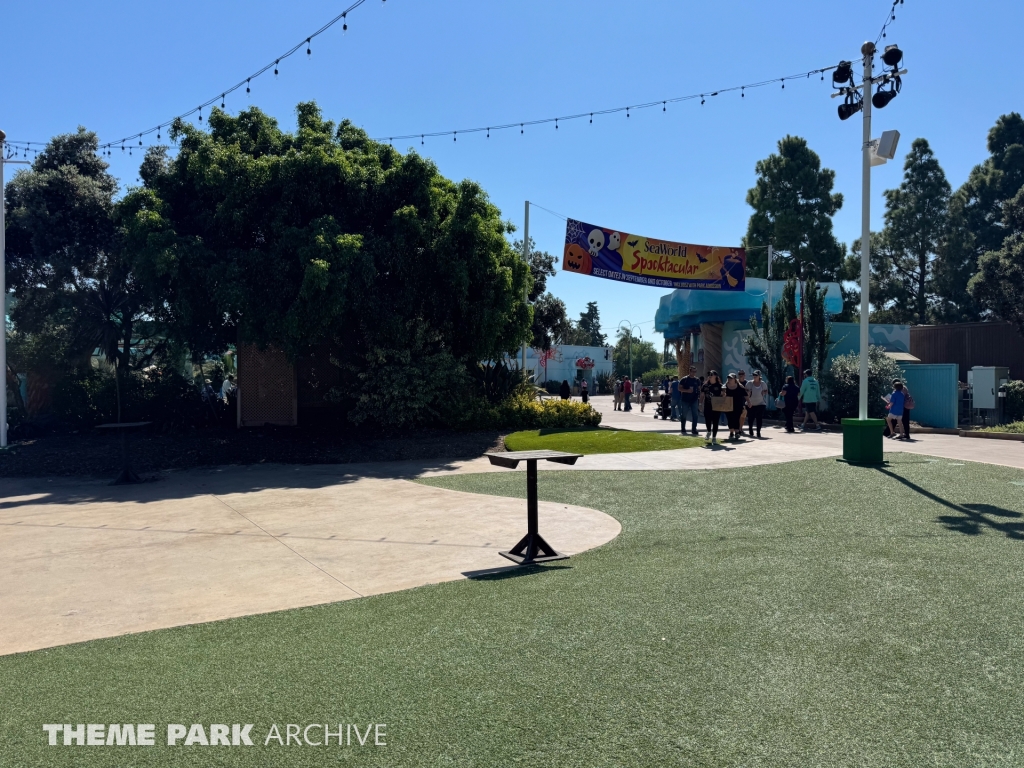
(999, 284)
(793, 207)
(324, 235)
(975, 225)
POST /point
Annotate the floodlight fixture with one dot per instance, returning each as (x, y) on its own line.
(850, 107)
(892, 56)
(842, 74)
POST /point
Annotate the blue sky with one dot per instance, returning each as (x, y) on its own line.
(407, 67)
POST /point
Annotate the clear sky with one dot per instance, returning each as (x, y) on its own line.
(407, 66)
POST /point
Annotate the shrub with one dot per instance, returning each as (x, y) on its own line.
(660, 374)
(841, 384)
(521, 411)
(1014, 401)
(603, 384)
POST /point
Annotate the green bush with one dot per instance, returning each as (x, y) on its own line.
(841, 384)
(522, 411)
(1014, 401)
(660, 374)
(1014, 428)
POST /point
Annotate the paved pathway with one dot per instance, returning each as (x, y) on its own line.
(83, 560)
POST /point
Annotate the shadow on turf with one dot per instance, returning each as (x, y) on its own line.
(512, 572)
(975, 517)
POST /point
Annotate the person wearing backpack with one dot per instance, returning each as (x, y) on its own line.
(810, 394)
(908, 406)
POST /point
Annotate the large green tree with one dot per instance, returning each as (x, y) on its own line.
(915, 221)
(589, 327)
(642, 353)
(323, 236)
(793, 207)
(976, 219)
(999, 285)
(74, 280)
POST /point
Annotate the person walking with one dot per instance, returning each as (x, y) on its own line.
(791, 397)
(584, 391)
(712, 387)
(810, 394)
(617, 394)
(896, 400)
(741, 379)
(565, 391)
(757, 398)
(643, 393)
(739, 400)
(689, 396)
(673, 389)
(627, 392)
(908, 405)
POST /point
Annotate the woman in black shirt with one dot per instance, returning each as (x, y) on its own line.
(712, 387)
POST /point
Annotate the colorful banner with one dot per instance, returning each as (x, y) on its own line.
(613, 255)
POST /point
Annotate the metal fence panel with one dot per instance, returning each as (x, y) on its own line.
(936, 392)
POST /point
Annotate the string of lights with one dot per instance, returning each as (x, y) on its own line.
(663, 103)
(890, 17)
(25, 147)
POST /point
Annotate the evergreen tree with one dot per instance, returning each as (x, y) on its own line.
(589, 327)
(915, 221)
(999, 284)
(793, 207)
(975, 224)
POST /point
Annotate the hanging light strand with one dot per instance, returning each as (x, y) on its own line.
(244, 83)
(890, 17)
(520, 124)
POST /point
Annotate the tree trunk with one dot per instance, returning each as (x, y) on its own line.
(711, 336)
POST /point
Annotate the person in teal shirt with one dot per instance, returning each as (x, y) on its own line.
(810, 394)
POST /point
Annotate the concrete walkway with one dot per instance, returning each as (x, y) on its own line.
(83, 560)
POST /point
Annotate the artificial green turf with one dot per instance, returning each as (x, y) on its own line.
(805, 614)
(588, 440)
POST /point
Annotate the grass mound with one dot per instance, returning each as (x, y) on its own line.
(589, 440)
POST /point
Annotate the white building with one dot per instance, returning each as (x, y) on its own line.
(565, 362)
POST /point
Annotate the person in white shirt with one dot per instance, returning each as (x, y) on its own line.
(757, 394)
(228, 388)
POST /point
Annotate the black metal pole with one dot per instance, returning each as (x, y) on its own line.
(531, 508)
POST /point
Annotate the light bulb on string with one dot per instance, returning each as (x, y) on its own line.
(309, 51)
(421, 141)
(344, 22)
(275, 67)
(520, 128)
(556, 123)
(702, 99)
(200, 114)
(783, 83)
(743, 94)
(455, 136)
(222, 100)
(591, 118)
(488, 133)
(247, 84)
(663, 107)
(627, 111)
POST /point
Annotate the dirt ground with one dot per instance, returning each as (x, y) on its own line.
(97, 454)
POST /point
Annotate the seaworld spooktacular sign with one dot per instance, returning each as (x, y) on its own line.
(613, 255)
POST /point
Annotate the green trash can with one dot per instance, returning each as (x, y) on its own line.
(862, 440)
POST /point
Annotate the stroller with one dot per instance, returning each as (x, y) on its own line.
(664, 408)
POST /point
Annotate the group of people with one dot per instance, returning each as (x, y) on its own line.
(741, 402)
(623, 390)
